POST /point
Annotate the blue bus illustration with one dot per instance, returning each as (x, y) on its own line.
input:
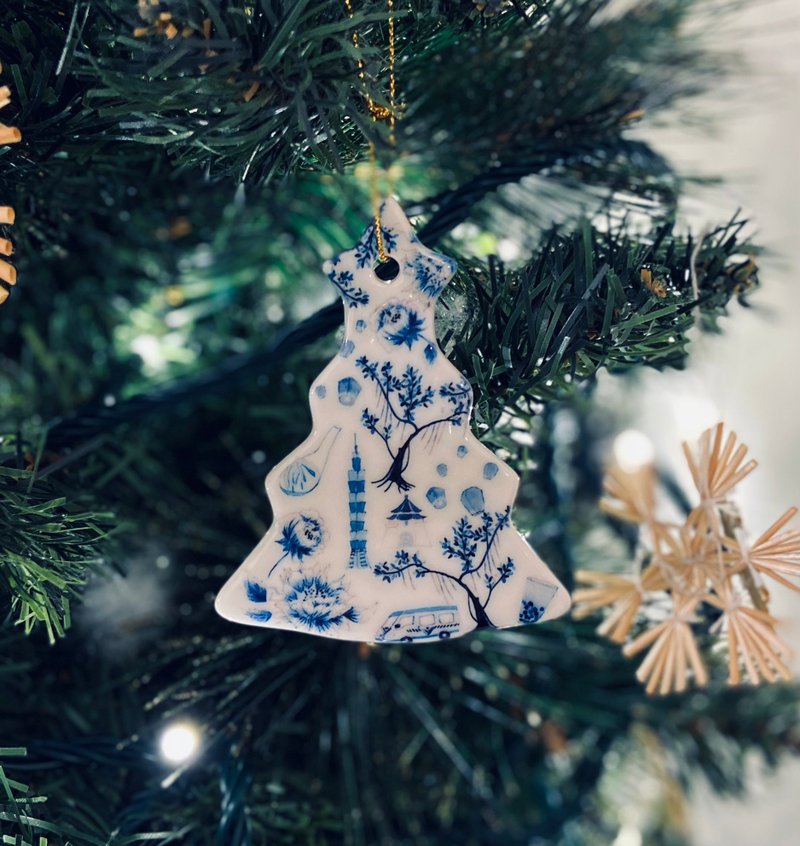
(436, 621)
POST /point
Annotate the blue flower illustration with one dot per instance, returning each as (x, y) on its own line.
(318, 603)
(255, 591)
(300, 537)
(402, 326)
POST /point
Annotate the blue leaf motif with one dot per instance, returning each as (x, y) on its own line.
(351, 294)
(367, 247)
(255, 591)
(261, 615)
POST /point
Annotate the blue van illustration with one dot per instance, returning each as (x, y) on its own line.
(436, 621)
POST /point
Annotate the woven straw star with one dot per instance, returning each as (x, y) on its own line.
(693, 556)
(752, 641)
(718, 468)
(703, 563)
(774, 555)
(622, 594)
(673, 652)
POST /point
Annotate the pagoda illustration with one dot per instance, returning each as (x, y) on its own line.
(392, 522)
(407, 511)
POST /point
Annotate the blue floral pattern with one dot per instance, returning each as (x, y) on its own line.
(319, 604)
(299, 538)
(431, 274)
(403, 327)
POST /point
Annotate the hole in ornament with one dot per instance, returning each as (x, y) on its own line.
(387, 270)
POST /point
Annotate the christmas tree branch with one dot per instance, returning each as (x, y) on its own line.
(49, 545)
(560, 325)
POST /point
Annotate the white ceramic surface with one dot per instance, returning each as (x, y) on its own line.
(392, 522)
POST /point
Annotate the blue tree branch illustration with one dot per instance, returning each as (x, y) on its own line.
(462, 546)
(412, 394)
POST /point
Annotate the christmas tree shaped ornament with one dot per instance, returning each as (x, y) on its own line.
(392, 522)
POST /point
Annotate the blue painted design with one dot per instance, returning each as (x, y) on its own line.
(441, 469)
(431, 273)
(319, 603)
(472, 499)
(461, 451)
(300, 538)
(367, 247)
(401, 398)
(255, 592)
(535, 600)
(433, 621)
(352, 295)
(260, 616)
(437, 497)
(530, 612)
(402, 326)
(470, 547)
(349, 389)
(321, 391)
(303, 475)
(407, 511)
(346, 349)
(357, 506)
(490, 470)
(361, 325)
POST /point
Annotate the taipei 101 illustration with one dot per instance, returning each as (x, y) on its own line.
(357, 507)
(392, 522)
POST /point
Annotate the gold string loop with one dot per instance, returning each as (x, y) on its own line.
(377, 112)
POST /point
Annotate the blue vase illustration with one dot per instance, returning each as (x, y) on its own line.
(304, 474)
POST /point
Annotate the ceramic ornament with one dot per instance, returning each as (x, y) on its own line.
(392, 521)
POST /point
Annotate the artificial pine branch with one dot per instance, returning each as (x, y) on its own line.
(50, 543)
(588, 300)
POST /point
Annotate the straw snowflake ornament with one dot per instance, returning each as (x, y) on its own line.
(698, 576)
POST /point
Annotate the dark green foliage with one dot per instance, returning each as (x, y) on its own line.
(50, 544)
(169, 319)
(591, 299)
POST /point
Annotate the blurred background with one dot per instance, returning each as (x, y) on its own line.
(746, 133)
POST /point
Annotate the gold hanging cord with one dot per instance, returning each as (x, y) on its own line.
(378, 112)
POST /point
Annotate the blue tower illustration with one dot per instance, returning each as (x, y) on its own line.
(357, 504)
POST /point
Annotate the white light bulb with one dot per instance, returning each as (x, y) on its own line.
(633, 450)
(179, 742)
(628, 836)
